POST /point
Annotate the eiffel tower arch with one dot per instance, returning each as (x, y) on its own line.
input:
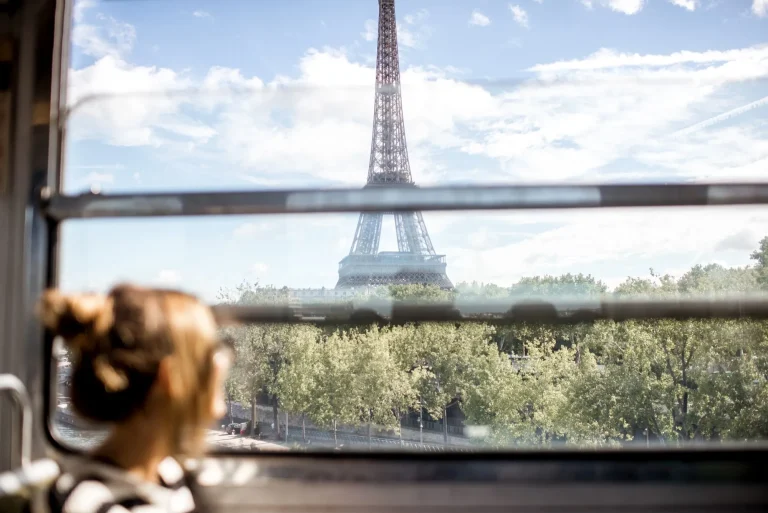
(415, 260)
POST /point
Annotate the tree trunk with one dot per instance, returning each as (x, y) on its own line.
(275, 417)
(335, 441)
(303, 428)
(401, 431)
(421, 420)
(229, 406)
(445, 424)
(369, 435)
(286, 427)
(254, 415)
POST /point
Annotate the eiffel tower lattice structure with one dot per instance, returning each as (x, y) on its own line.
(416, 261)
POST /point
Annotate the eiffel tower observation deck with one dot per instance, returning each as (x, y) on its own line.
(416, 261)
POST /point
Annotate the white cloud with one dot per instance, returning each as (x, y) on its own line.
(628, 7)
(327, 127)
(169, 277)
(80, 7)
(718, 155)
(606, 58)
(416, 17)
(201, 14)
(407, 38)
(371, 30)
(147, 112)
(415, 32)
(479, 19)
(220, 79)
(519, 14)
(328, 134)
(611, 115)
(252, 229)
(259, 268)
(623, 241)
(760, 7)
(689, 5)
(109, 37)
(144, 113)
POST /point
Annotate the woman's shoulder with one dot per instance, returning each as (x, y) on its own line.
(89, 486)
(82, 494)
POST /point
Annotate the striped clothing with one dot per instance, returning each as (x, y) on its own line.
(88, 486)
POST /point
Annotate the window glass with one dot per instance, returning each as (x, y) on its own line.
(500, 385)
(189, 96)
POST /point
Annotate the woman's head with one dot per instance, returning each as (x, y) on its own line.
(140, 351)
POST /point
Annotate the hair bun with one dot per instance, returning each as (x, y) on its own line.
(114, 380)
(71, 317)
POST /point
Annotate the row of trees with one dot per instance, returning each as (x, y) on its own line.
(602, 383)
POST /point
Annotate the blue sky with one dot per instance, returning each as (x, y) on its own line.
(242, 94)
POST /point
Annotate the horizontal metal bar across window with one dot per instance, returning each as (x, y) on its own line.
(498, 312)
(403, 198)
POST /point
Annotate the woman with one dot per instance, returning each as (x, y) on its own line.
(148, 363)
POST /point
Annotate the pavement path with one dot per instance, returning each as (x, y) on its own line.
(220, 439)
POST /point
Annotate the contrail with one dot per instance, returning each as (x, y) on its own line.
(721, 117)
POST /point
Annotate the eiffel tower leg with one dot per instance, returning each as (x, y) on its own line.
(412, 235)
(367, 235)
(403, 241)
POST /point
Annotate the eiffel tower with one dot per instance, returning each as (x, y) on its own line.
(416, 260)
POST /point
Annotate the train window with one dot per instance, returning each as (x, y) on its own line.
(353, 181)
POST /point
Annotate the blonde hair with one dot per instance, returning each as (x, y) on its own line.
(118, 342)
